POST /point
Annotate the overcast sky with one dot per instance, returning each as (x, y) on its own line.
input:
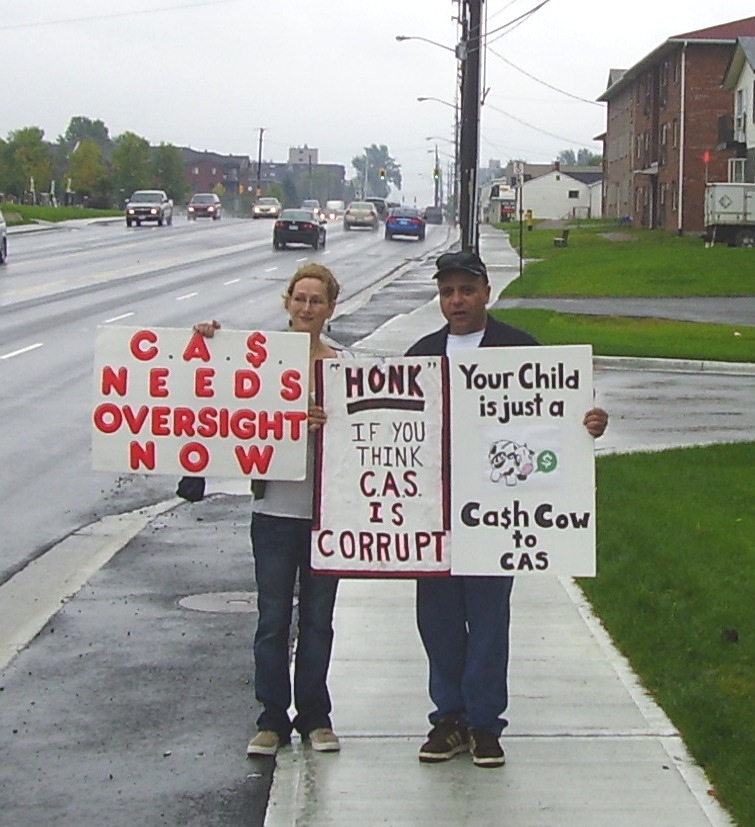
(327, 73)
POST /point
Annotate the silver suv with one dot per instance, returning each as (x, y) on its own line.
(149, 205)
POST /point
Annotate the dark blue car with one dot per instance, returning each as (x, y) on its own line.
(405, 221)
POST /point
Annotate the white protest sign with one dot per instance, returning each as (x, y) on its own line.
(170, 401)
(379, 507)
(522, 462)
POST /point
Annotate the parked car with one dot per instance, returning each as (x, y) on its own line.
(299, 227)
(334, 210)
(406, 221)
(434, 215)
(149, 205)
(381, 205)
(360, 214)
(3, 240)
(267, 207)
(204, 205)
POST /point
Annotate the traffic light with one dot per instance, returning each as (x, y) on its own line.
(381, 172)
(436, 173)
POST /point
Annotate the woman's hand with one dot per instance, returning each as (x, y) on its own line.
(316, 417)
(596, 420)
(207, 328)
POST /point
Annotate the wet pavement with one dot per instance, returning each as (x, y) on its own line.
(135, 701)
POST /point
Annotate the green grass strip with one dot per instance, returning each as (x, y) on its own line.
(676, 591)
(26, 214)
(639, 337)
(602, 259)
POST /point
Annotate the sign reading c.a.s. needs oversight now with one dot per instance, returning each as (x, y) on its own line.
(171, 401)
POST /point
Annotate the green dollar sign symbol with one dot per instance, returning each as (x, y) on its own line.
(546, 462)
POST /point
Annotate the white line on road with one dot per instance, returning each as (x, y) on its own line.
(118, 318)
(232, 281)
(271, 269)
(22, 350)
(186, 296)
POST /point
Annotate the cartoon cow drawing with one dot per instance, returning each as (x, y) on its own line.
(510, 461)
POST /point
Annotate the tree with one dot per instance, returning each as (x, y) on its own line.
(584, 158)
(29, 160)
(81, 128)
(86, 169)
(379, 158)
(168, 171)
(131, 169)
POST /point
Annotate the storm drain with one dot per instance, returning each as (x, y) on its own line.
(220, 602)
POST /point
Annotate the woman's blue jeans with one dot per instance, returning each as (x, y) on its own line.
(281, 548)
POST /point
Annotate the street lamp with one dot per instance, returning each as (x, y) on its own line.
(460, 50)
(456, 143)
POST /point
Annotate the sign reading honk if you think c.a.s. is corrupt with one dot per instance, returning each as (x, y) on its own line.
(523, 478)
(380, 508)
(171, 401)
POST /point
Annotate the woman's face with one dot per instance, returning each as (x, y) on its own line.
(308, 306)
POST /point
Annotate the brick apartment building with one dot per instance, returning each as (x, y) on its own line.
(662, 126)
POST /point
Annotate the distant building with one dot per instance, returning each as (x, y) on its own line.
(555, 191)
(302, 155)
(205, 171)
(662, 129)
(738, 133)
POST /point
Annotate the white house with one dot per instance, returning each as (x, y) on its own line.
(740, 78)
(562, 195)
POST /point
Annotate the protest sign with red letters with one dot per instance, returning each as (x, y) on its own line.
(523, 491)
(382, 469)
(171, 401)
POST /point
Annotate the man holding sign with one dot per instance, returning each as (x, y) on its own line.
(464, 620)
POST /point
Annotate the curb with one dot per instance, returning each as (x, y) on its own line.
(673, 365)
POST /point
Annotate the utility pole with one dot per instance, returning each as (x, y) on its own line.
(366, 170)
(469, 137)
(436, 177)
(258, 189)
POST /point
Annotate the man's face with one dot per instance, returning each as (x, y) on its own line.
(463, 301)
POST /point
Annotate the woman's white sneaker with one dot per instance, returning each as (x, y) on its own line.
(324, 740)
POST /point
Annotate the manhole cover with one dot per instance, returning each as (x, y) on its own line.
(220, 602)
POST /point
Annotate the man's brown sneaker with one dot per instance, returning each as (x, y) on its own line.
(447, 738)
(486, 749)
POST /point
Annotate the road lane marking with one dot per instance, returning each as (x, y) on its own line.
(118, 318)
(22, 350)
(271, 269)
(232, 281)
(186, 296)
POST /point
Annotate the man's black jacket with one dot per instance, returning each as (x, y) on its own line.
(497, 334)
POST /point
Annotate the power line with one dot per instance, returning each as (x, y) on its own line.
(542, 82)
(536, 128)
(93, 17)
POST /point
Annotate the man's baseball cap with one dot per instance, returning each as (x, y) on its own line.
(466, 261)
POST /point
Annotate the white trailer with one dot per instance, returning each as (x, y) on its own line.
(730, 214)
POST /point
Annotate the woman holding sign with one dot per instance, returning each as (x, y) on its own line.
(281, 537)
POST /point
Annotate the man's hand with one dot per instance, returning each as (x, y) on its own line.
(207, 328)
(596, 421)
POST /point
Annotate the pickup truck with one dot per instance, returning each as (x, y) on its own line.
(149, 205)
(730, 214)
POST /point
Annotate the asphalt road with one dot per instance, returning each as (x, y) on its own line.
(59, 285)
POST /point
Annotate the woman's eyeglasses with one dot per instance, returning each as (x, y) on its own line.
(312, 301)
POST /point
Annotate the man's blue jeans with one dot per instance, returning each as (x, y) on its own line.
(464, 626)
(281, 547)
